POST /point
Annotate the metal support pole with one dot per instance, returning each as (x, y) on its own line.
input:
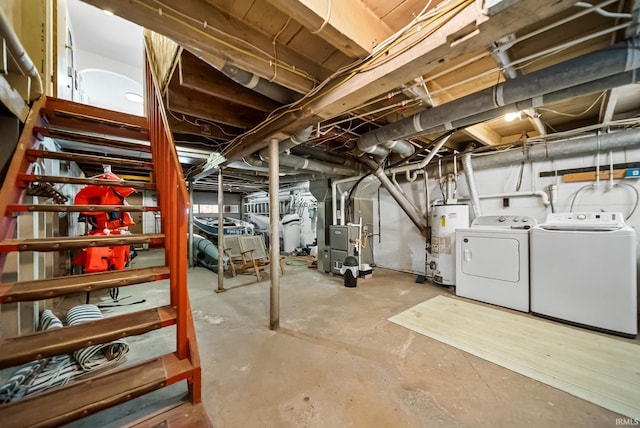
(274, 240)
(220, 288)
(190, 249)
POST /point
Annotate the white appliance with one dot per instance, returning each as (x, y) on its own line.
(493, 261)
(583, 270)
(445, 219)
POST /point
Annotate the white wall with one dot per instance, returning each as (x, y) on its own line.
(401, 246)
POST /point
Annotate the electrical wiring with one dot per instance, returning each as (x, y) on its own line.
(311, 96)
(576, 114)
(559, 48)
(385, 57)
(270, 61)
(326, 19)
(386, 42)
(592, 187)
(275, 49)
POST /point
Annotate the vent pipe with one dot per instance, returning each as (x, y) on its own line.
(297, 162)
(414, 214)
(616, 62)
(262, 86)
(471, 182)
(21, 57)
(575, 147)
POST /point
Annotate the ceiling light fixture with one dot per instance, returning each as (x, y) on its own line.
(107, 12)
(133, 97)
(509, 117)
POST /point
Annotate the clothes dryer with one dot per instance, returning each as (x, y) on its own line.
(492, 264)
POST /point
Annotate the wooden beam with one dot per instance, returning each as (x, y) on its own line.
(194, 103)
(349, 26)
(591, 176)
(469, 31)
(218, 37)
(198, 75)
(217, 131)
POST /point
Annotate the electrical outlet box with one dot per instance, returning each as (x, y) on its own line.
(632, 173)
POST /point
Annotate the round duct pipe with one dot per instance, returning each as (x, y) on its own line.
(568, 79)
(262, 86)
(574, 147)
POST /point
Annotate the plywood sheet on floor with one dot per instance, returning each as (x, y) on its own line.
(603, 370)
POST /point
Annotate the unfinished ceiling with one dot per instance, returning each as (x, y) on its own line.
(328, 72)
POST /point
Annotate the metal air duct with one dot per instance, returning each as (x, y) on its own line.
(262, 86)
(570, 78)
(414, 214)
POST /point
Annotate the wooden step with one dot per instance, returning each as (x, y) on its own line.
(79, 399)
(22, 208)
(78, 242)
(44, 344)
(93, 139)
(24, 179)
(33, 155)
(181, 415)
(60, 286)
(68, 114)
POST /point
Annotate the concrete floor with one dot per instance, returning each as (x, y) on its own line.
(336, 361)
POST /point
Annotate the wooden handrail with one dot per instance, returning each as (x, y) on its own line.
(174, 200)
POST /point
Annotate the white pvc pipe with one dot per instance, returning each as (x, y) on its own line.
(423, 163)
(343, 196)
(334, 194)
(541, 194)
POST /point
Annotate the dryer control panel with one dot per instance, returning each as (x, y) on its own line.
(505, 221)
(584, 221)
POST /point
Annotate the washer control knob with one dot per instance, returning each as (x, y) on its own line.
(516, 219)
(502, 219)
(581, 216)
(525, 219)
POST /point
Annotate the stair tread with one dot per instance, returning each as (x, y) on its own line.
(53, 287)
(33, 154)
(184, 414)
(85, 181)
(76, 242)
(91, 395)
(44, 344)
(91, 138)
(16, 208)
(81, 116)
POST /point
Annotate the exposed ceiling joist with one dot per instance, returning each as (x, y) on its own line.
(197, 104)
(220, 38)
(183, 125)
(467, 31)
(347, 25)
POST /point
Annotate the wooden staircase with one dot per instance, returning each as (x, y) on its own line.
(55, 118)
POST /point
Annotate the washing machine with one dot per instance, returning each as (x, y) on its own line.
(492, 263)
(583, 270)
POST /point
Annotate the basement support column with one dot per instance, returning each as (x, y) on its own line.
(190, 249)
(274, 233)
(220, 288)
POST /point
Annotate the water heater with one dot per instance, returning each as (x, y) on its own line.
(441, 258)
